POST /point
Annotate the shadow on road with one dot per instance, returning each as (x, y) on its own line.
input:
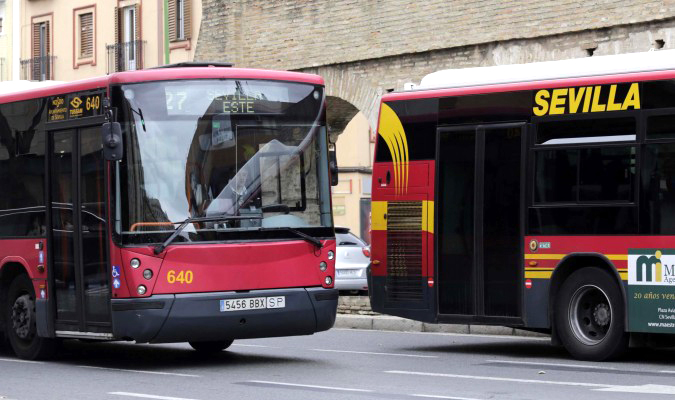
(159, 358)
(545, 351)
(533, 349)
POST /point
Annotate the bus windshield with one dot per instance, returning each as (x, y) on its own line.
(230, 148)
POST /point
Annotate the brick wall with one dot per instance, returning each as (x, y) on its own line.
(284, 34)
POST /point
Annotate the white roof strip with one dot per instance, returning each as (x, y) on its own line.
(549, 70)
(8, 87)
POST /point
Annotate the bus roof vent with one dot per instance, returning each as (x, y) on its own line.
(192, 64)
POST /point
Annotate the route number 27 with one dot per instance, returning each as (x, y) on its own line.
(180, 277)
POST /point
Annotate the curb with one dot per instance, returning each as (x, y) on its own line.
(388, 323)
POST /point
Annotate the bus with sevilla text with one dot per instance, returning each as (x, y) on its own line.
(538, 196)
(184, 204)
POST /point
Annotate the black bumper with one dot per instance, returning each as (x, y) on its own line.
(197, 317)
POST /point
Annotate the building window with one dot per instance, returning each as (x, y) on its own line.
(86, 33)
(179, 20)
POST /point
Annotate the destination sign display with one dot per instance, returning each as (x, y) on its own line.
(74, 106)
(616, 97)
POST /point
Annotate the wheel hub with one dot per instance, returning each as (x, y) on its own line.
(601, 314)
(22, 316)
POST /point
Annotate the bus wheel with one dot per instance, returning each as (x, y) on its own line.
(589, 315)
(211, 347)
(20, 316)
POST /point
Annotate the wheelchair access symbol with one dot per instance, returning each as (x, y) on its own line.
(115, 271)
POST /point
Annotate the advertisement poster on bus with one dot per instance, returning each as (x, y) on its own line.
(651, 301)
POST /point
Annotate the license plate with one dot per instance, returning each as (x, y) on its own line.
(347, 273)
(253, 303)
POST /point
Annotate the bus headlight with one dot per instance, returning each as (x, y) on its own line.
(323, 265)
(147, 274)
(328, 280)
(331, 255)
(141, 290)
(135, 263)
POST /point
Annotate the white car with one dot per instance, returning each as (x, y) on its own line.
(353, 257)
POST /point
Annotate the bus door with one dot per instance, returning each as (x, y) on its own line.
(480, 222)
(78, 247)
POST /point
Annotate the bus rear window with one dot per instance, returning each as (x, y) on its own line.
(579, 131)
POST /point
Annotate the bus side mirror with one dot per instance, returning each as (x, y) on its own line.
(332, 164)
(112, 141)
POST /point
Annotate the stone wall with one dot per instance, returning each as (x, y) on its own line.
(283, 34)
(355, 305)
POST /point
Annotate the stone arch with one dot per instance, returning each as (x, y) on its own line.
(346, 95)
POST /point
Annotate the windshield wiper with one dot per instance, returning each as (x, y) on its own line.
(160, 248)
(311, 239)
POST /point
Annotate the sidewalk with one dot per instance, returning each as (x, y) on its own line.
(354, 313)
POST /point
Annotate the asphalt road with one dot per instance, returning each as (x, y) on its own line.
(348, 364)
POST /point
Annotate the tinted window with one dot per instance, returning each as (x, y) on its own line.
(584, 175)
(659, 188)
(556, 176)
(586, 130)
(22, 168)
(348, 239)
(603, 220)
(661, 126)
(606, 174)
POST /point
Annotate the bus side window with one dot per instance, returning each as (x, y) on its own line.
(659, 187)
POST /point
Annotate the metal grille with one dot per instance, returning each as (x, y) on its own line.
(404, 251)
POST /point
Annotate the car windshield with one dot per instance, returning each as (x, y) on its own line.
(230, 148)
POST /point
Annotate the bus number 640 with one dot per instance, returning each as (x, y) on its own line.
(180, 277)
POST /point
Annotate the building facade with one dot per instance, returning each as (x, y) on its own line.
(74, 39)
(6, 39)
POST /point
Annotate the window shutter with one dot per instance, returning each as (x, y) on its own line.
(136, 16)
(86, 35)
(36, 40)
(173, 29)
(117, 25)
(187, 18)
(35, 63)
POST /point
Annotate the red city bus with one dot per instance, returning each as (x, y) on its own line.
(167, 205)
(538, 196)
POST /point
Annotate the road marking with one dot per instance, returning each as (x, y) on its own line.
(374, 353)
(312, 386)
(431, 396)
(20, 361)
(549, 364)
(500, 379)
(645, 389)
(147, 396)
(140, 371)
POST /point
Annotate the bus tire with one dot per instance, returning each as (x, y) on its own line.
(21, 322)
(211, 347)
(590, 314)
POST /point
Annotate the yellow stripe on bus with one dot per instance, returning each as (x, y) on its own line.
(538, 274)
(378, 210)
(428, 216)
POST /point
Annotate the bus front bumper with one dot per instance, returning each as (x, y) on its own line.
(197, 317)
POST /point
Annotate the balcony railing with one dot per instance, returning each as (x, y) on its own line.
(38, 68)
(127, 56)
